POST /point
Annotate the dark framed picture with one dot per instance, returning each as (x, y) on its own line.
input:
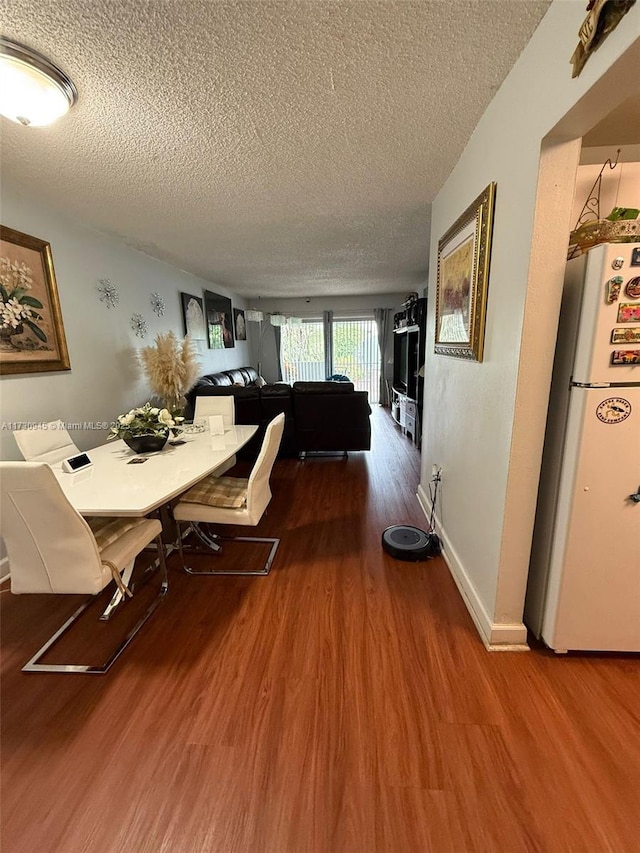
(239, 324)
(464, 253)
(635, 257)
(32, 336)
(193, 317)
(219, 321)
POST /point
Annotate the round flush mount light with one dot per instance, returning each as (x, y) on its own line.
(33, 91)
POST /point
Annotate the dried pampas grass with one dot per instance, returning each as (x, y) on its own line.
(171, 367)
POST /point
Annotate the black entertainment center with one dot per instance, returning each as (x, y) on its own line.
(408, 363)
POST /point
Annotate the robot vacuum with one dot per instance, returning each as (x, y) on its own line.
(410, 543)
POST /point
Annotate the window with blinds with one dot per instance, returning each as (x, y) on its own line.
(355, 352)
(302, 352)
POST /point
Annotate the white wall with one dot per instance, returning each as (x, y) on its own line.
(104, 379)
(484, 423)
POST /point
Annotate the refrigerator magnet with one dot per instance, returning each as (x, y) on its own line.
(617, 263)
(635, 257)
(632, 288)
(613, 289)
(613, 410)
(628, 312)
(626, 336)
(625, 356)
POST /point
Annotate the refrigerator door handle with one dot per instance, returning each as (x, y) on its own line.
(590, 384)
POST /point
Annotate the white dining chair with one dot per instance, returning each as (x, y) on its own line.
(223, 405)
(53, 549)
(219, 405)
(48, 442)
(232, 500)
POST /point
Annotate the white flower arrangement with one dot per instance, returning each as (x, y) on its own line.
(145, 420)
(16, 306)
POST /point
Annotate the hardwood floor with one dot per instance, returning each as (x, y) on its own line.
(343, 704)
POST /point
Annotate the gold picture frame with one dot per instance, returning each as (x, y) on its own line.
(32, 336)
(464, 254)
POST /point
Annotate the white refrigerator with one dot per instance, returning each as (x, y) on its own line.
(584, 578)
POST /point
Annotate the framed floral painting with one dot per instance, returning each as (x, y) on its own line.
(240, 324)
(31, 332)
(464, 253)
(193, 317)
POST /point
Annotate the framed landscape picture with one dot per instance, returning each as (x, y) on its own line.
(193, 317)
(219, 320)
(32, 336)
(464, 253)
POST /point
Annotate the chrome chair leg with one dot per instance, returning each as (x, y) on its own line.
(34, 665)
(212, 543)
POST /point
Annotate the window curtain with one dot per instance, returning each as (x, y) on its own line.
(383, 323)
(327, 320)
(277, 334)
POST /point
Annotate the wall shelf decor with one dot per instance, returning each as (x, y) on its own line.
(32, 338)
(139, 325)
(108, 293)
(157, 304)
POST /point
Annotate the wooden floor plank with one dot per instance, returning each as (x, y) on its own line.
(343, 704)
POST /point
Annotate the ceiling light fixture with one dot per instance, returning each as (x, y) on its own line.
(33, 91)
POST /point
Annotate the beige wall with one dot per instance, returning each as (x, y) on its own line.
(484, 423)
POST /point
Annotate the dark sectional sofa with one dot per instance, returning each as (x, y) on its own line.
(319, 416)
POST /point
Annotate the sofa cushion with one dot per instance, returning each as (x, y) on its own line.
(279, 390)
(250, 375)
(316, 388)
(219, 379)
(236, 376)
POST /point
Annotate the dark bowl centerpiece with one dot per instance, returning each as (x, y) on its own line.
(145, 429)
(145, 443)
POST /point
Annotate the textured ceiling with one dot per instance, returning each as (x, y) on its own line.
(277, 148)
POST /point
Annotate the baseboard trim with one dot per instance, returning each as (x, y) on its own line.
(496, 636)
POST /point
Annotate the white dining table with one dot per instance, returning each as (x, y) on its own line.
(116, 485)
